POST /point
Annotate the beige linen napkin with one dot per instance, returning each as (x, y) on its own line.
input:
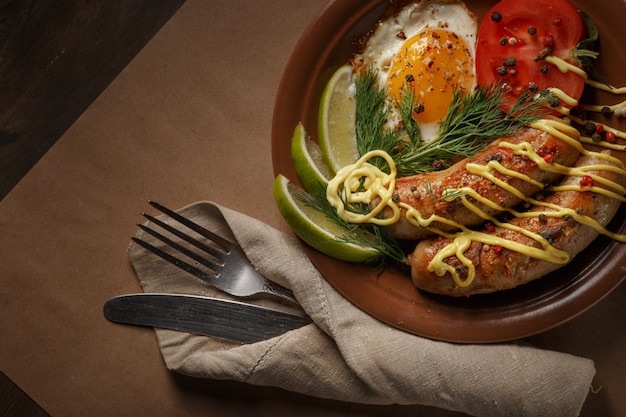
(350, 356)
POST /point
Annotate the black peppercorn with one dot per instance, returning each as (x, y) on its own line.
(510, 62)
(554, 101)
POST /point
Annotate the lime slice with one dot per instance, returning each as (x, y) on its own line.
(315, 228)
(336, 121)
(308, 161)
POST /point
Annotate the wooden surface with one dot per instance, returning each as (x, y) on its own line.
(175, 125)
(16, 403)
(56, 57)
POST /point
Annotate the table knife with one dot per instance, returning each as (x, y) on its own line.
(225, 319)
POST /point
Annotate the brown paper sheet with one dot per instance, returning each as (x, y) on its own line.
(189, 119)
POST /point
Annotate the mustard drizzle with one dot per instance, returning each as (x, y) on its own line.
(364, 183)
(560, 130)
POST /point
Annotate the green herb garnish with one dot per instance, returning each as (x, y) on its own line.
(372, 113)
(375, 236)
(472, 122)
(585, 51)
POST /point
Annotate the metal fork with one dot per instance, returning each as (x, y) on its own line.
(228, 267)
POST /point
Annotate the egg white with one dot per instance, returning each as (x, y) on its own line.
(390, 35)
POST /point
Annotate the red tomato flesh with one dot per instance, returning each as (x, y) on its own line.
(515, 32)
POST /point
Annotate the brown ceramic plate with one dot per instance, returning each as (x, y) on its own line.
(391, 296)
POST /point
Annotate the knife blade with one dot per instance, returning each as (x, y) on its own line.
(225, 319)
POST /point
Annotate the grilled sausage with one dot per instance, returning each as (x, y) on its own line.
(424, 191)
(500, 268)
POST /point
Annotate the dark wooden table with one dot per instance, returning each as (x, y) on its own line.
(56, 57)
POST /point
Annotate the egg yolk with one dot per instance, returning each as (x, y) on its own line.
(431, 63)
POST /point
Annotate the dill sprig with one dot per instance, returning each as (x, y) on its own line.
(372, 235)
(372, 113)
(585, 52)
(472, 122)
(407, 110)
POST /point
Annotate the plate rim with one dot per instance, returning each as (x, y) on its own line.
(557, 306)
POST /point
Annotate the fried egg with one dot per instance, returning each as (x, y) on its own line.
(428, 45)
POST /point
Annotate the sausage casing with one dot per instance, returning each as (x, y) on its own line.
(503, 269)
(424, 191)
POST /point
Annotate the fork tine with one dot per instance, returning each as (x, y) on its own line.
(216, 253)
(204, 261)
(225, 243)
(242, 278)
(175, 261)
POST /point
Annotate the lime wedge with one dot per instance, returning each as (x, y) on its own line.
(308, 161)
(315, 228)
(336, 121)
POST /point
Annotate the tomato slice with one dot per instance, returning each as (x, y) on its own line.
(515, 32)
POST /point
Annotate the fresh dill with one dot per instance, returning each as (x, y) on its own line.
(372, 235)
(372, 113)
(451, 194)
(585, 52)
(429, 190)
(472, 122)
(408, 107)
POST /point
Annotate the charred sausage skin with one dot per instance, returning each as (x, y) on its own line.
(500, 268)
(424, 191)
